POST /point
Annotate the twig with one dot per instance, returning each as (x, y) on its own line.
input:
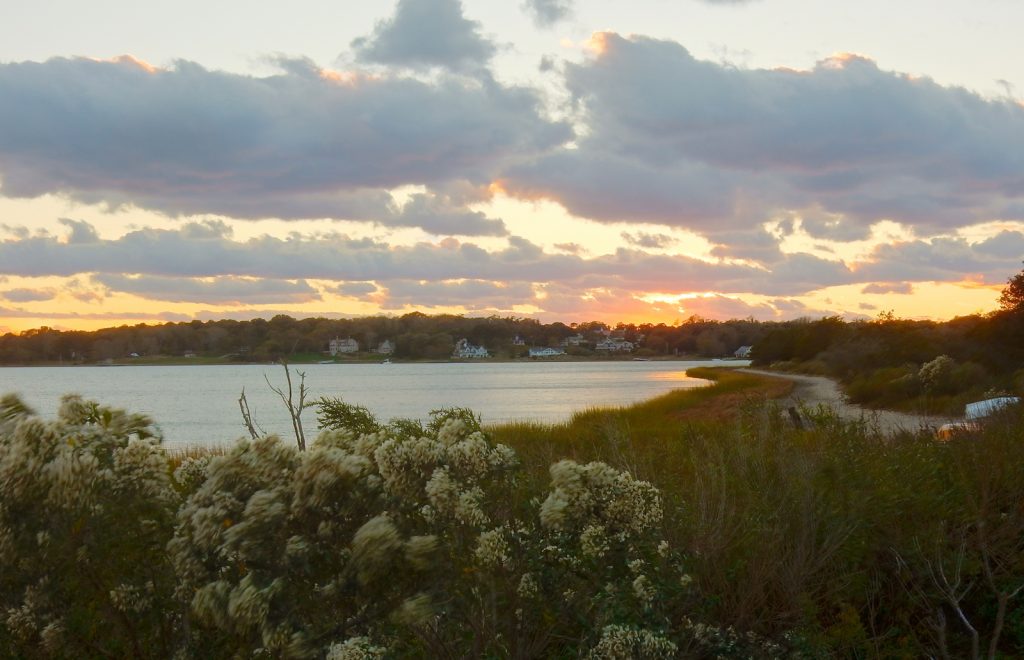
(243, 404)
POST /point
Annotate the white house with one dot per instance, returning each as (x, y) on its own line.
(518, 341)
(386, 347)
(545, 352)
(614, 345)
(464, 349)
(743, 352)
(346, 345)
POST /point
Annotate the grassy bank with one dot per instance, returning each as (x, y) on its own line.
(833, 531)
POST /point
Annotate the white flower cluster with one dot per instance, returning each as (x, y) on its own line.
(450, 469)
(132, 599)
(356, 648)
(191, 472)
(730, 643)
(624, 643)
(492, 549)
(596, 496)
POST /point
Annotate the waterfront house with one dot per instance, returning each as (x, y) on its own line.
(386, 347)
(341, 346)
(614, 345)
(546, 352)
(743, 352)
(466, 350)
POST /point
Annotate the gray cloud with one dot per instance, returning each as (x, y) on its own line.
(441, 216)
(426, 33)
(546, 13)
(180, 253)
(81, 232)
(1004, 245)
(756, 245)
(28, 295)
(185, 140)
(474, 295)
(941, 259)
(356, 289)
(571, 248)
(693, 143)
(904, 288)
(646, 240)
(220, 291)
(14, 313)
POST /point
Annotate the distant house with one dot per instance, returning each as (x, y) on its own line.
(466, 350)
(743, 352)
(614, 345)
(188, 354)
(573, 340)
(346, 345)
(518, 341)
(546, 352)
(386, 347)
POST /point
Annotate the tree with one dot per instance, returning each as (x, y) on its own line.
(1012, 298)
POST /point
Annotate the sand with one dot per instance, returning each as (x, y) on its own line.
(812, 391)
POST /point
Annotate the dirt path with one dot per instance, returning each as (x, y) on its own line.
(814, 390)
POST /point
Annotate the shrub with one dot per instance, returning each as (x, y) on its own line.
(86, 507)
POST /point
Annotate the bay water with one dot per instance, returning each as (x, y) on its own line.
(198, 405)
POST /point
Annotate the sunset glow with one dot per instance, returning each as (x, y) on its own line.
(587, 164)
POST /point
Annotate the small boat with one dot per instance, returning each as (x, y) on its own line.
(386, 361)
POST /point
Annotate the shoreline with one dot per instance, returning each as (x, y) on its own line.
(188, 362)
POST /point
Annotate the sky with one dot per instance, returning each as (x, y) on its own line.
(566, 160)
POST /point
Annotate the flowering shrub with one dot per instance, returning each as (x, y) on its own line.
(86, 507)
(380, 540)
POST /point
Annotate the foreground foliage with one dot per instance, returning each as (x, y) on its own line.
(643, 532)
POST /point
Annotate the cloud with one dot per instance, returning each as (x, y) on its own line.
(219, 291)
(546, 13)
(645, 240)
(1004, 245)
(28, 295)
(571, 248)
(439, 215)
(903, 288)
(474, 295)
(942, 259)
(81, 231)
(190, 252)
(756, 245)
(672, 139)
(356, 289)
(304, 143)
(162, 317)
(426, 33)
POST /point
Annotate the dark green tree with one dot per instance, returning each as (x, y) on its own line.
(1012, 298)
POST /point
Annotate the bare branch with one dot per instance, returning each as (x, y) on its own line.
(243, 404)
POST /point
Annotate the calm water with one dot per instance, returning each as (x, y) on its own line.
(198, 405)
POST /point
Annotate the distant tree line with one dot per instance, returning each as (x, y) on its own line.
(414, 335)
(890, 362)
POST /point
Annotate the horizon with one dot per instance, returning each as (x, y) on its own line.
(553, 159)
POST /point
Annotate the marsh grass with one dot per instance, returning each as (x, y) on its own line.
(797, 530)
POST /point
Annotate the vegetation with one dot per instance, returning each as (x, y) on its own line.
(699, 524)
(924, 366)
(415, 337)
